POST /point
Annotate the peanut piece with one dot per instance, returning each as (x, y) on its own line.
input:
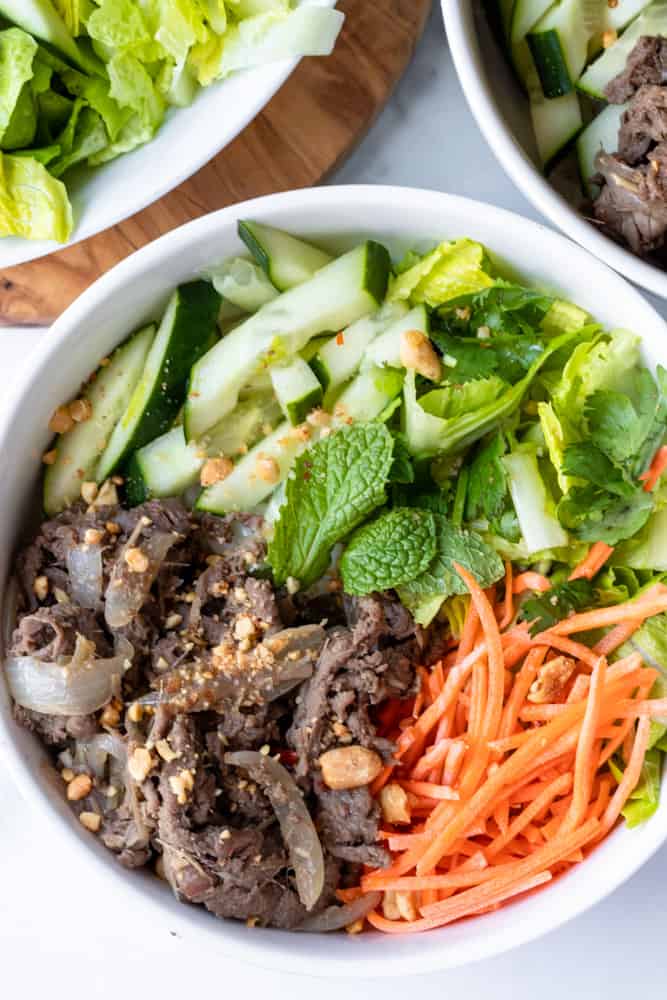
(215, 470)
(394, 803)
(417, 352)
(61, 421)
(79, 787)
(349, 767)
(551, 679)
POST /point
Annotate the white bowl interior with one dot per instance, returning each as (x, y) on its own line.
(102, 317)
(188, 138)
(501, 111)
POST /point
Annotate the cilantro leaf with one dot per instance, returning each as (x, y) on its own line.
(389, 551)
(545, 610)
(487, 482)
(594, 515)
(615, 426)
(504, 308)
(509, 357)
(424, 595)
(585, 461)
(333, 487)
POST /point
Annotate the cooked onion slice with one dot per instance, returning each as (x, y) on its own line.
(296, 825)
(334, 918)
(76, 687)
(84, 566)
(128, 588)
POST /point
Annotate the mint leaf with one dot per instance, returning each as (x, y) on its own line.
(487, 481)
(332, 488)
(424, 595)
(544, 610)
(391, 550)
(402, 470)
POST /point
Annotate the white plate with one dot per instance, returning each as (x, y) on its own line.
(501, 110)
(189, 138)
(131, 293)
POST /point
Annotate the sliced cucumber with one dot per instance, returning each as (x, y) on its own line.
(612, 61)
(368, 394)
(79, 450)
(559, 46)
(557, 123)
(313, 347)
(386, 349)
(341, 356)
(256, 476)
(297, 389)
(286, 260)
(243, 283)
(601, 134)
(339, 294)
(168, 466)
(615, 18)
(187, 331)
(526, 14)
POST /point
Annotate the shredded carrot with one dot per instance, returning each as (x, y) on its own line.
(507, 793)
(597, 556)
(530, 581)
(655, 470)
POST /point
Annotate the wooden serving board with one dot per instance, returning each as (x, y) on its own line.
(306, 131)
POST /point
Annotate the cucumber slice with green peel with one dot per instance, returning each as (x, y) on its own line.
(557, 123)
(41, 19)
(187, 330)
(313, 347)
(243, 283)
(258, 473)
(615, 19)
(169, 466)
(338, 295)
(386, 349)
(612, 61)
(525, 15)
(286, 260)
(341, 356)
(297, 389)
(559, 46)
(368, 395)
(600, 135)
(78, 451)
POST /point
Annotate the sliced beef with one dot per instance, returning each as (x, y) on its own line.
(646, 64)
(643, 125)
(50, 632)
(348, 823)
(632, 205)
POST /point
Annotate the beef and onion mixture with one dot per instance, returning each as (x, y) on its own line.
(632, 203)
(219, 730)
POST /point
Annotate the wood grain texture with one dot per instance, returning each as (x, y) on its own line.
(313, 122)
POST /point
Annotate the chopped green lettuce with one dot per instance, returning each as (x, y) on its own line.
(645, 799)
(17, 53)
(535, 507)
(33, 204)
(451, 270)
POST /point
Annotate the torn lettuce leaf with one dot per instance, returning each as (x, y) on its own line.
(451, 270)
(17, 53)
(33, 204)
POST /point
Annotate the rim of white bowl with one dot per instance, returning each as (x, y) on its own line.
(189, 165)
(459, 18)
(211, 933)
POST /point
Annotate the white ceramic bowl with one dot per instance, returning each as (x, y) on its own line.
(501, 110)
(188, 138)
(128, 295)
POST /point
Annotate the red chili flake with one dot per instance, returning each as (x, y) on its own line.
(288, 757)
(340, 338)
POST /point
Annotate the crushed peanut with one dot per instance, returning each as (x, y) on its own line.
(389, 905)
(107, 496)
(89, 492)
(135, 712)
(349, 767)
(551, 679)
(181, 785)
(215, 470)
(405, 903)
(41, 587)
(61, 421)
(110, 717)
(79, 787)
(141, 763)
(136, 560)
(80, 410)
(67, 774)
(174, 620)
(319, 418)
(417, 353)
(166, 751)
(93, 536)
(49, 457)
(268, 469)
(609, 37)
(91, 820)
(463, 313)
(244, 627)
(483, 332)
(112, 528)
(395, 804)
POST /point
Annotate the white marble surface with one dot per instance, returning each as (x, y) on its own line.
(63, 937)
